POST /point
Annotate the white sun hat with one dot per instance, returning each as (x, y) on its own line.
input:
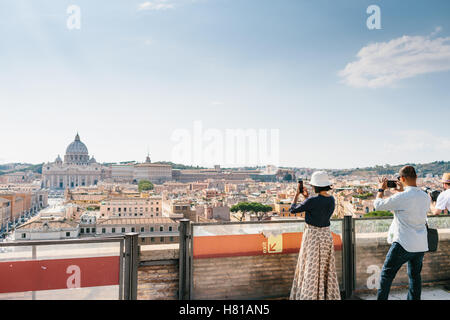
(320, 179)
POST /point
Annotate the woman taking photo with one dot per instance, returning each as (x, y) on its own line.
(315, 276)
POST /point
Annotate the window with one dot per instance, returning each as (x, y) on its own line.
(171, 239)
(24, 235)
(133, 229)
(120, 209)
(82, 230)
(93, 230)
(123, 229)
(142, 240)
(142, 229)
(156, 214)
(103, 230)
(170, 228)
(162, 239)
(67, 234)
(161, 228)
(124, 209)
(151, 229)
(113, 230)
(88, 230)
(153, 239)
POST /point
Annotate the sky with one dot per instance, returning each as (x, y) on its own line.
(141, 76)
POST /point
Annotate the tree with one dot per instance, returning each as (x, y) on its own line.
(257, 208)
(145, 185)
(288, 177)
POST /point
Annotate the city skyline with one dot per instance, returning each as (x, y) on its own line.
(136, 72)
(148, 159)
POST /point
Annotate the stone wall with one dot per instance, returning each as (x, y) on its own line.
(252, 277)
(371, 250)
(158, 272)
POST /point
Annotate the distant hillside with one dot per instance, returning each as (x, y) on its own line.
(434, 168)
(36, 168)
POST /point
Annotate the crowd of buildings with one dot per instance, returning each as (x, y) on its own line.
(90, 199)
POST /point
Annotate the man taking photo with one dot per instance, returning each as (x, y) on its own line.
(443, 201)
(407, 233)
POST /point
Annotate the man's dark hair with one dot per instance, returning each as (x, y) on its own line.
(408, 172)
(319, 189)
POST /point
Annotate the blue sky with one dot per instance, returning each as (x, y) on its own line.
(136, 71)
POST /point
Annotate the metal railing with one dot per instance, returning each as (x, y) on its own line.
(349, 258)
(128, 258)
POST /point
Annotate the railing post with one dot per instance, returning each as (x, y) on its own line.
(349, 256)
(131, 266)
(183, 265)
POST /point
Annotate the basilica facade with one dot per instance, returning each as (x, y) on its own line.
(77, 169)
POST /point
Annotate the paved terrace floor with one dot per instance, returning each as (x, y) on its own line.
(441, 292)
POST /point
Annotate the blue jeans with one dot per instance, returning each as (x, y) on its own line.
(395, 258)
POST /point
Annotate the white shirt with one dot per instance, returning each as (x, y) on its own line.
(443, 201)
(410, 209)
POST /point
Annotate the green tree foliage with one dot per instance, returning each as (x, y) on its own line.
(179, 166)
(253, 207)
(145, 185)
(378, 214)
(363, 196)
(434, 168)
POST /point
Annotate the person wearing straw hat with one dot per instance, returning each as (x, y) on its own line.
(443, 200)
(315, 276)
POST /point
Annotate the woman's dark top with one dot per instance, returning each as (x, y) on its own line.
(318, 210)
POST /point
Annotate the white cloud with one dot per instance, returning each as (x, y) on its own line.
(383, 64)
(156, 5)
(436, 31)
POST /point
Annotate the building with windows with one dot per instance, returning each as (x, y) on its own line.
(47, 228)
(77, 169)
(134, 172)
(5, 213)
(148, 207)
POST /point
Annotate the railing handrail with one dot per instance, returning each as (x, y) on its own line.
(254, 222)
(297, 221)
(392, 217)
(63, 241)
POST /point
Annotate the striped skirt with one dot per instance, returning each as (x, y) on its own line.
(315, 276)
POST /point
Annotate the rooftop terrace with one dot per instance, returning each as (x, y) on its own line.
(245, 260)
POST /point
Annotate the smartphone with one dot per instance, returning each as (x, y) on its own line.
(392, 184)
(300, 182)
